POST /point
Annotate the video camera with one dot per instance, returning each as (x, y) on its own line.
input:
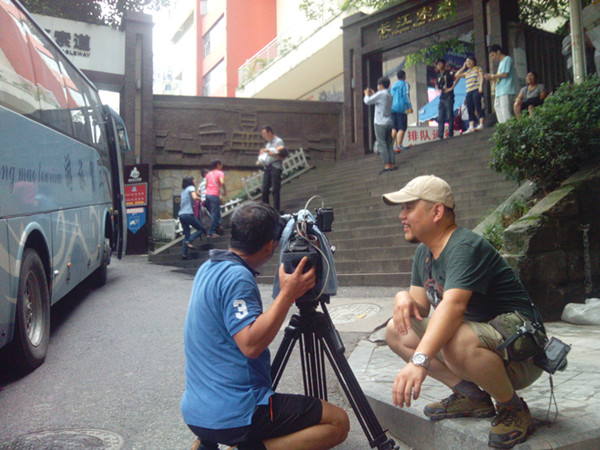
(306, 238)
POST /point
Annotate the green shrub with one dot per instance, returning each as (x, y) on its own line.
(493, 233)
(513, 211)
(562, 135)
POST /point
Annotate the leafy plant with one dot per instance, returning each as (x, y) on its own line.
(493, 233)
(103, 12)
(286, 46)
(513, 211)
(317, 9)
(431, 54)
(493, 230)
(553, 143)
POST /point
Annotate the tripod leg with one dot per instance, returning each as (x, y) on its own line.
(313, 362)
(291, 334)
(318, 336)
(368, 421)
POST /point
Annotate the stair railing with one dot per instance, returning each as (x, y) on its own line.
(294, 165)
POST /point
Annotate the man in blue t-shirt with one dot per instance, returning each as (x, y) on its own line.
(468, 284)
(506, 87)
(401, 107)
(228, 397)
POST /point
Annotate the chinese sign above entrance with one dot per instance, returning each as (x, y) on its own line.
(88, 46)
(406, 22)
(73, 44)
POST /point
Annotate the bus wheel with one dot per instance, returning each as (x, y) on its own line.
(100, 275)
(32, 324)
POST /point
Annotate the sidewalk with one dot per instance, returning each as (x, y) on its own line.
(577, 389)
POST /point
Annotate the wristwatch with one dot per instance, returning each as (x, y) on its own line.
(420, 360)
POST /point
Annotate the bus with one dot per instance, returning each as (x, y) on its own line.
(62, 211)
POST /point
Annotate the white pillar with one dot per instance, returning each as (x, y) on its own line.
(577, 42)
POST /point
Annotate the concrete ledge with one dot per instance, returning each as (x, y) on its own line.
(577, 392)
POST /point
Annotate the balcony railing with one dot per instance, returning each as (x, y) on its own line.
(280, 46)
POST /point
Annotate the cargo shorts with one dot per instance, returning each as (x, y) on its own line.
(520, 373)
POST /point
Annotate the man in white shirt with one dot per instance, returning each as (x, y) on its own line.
(273, 164)
(382, 99)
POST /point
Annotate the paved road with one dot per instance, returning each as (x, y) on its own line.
(116, 364)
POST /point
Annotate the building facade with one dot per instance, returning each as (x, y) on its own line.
(204, 42)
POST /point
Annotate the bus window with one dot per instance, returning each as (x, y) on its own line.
(123, 139)
(18, 91)
(78, 101)
(49, 78)
(99, 126)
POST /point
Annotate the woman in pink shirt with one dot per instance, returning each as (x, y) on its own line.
(215, 185)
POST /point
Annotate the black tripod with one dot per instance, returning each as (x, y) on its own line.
(318, 336)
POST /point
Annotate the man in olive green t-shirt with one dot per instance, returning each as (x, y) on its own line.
(468, 283)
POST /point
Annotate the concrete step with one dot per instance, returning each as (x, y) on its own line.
(462, 183)
(339, 179)
(346, 219)
(360, 279)
(360, 194)
(391, 251)
(388, 259)
(367, 176)
(346, 208)
(465, 144)
(390, 214)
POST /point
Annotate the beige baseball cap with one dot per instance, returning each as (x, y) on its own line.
(426, 187)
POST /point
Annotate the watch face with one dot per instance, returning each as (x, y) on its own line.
(419, 358)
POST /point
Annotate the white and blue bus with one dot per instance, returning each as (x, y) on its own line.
(61, 184)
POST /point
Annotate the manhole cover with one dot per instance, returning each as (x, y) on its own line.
(352, 313)
(65, 440)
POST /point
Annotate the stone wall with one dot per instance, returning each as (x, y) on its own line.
(546, 246)
(191, 132)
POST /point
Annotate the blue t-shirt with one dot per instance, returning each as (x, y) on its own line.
(506, 86)
(400, 91)
(185, 204)
(223, 386)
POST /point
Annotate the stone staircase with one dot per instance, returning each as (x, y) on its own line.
(370, 245)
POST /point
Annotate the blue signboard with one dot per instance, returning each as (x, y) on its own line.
(136, 219)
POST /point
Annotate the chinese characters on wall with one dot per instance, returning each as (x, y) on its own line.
(406, 22)
(421, 135)
(73, 44)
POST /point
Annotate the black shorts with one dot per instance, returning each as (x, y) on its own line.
(285, 414)
(399, 121)
(535, 101)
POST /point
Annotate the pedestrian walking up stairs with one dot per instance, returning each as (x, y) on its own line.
(370, 245)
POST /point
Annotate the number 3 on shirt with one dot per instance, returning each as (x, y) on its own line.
(241, 307)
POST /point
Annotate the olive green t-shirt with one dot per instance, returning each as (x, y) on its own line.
(470, 262)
